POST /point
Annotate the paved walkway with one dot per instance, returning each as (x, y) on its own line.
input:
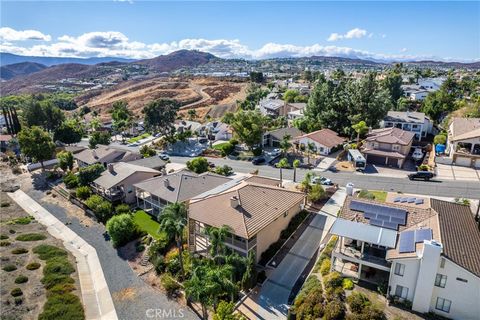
(272, 299)
(325, 163)
(96, 297)
(451, 172)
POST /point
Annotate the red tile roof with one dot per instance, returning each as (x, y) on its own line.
(326, 137)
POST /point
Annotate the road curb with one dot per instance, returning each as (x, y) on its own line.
(97, 301)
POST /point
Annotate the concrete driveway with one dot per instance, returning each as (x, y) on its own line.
(449, 172)
(271, 301)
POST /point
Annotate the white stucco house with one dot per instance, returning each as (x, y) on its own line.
(324, 140)
(463, 142)
(416, 122)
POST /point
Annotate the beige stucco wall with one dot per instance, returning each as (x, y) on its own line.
(131, 180)
(271, 233)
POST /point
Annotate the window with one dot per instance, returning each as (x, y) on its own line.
(440, 280)
(462, 280)
(395, 147)
(442, 263)
(399, 269)
(401, 292)
(443, 304)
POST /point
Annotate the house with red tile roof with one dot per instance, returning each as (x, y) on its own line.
(324, 140)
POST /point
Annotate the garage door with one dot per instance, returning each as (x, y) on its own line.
(463, 161)
(376, 160)
(393, 162)
(477, 163)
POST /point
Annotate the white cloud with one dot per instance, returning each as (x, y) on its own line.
(9, 34)
(116, 44)
(403, 50)
(354, 33)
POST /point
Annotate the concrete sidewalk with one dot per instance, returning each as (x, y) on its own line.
(325, 164)
(271, 301)
(97, 301)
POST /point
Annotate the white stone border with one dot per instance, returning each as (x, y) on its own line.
(97, 301)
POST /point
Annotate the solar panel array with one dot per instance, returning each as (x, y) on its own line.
(408, 239)
(380, 216)
(400, 199)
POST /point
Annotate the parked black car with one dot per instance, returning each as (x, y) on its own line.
(421, 175)
(258, 160)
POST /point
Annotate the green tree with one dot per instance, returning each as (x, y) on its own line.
(121, 229)
(310, 149)
(99, 137)
(192, 114)
(173, 221)
(87, 175)
(33, 114)
(282, 164)
(147, 151)
(198, 290)
(296, 164)
(440, 139)
(291, 95)
(225, 311)
(360, 128)
(95, 123)
(285, 144)
(248, 127)
(70, 131)
(65, 160)
(160, 115)
(393, 84)
(54, 117)
(316, 193)
(217, 240)
(83, 192)
(121, 115)
(36, 144)
(198, 165)
(257, 77)
(249, 277)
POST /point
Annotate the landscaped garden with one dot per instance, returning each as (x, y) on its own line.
(147, 224)
(138, 138)
(376, 195)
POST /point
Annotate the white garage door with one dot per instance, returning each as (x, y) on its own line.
(463, 161)
(477, 164)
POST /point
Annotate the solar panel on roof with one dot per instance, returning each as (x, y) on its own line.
(383, 217)
(407, 241)
(390, 225)
(411, 200)
(397, 199)
(369, 215)
(423, 234)
(376, 222)
(419, 201)
(404, 200)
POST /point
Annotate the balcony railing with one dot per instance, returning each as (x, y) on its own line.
(357, 254)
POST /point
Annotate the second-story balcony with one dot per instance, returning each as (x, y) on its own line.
(363, 253)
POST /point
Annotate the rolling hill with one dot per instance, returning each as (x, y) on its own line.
(9, 58)
(20, 69)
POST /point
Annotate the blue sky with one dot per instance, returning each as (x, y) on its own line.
(141, 29)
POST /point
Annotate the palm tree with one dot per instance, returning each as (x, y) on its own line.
(296, 164)
(221, 281)
(248, 278)
(283, 163)
(310, 149)
(360, 128)
(196, 289)
(285, 144)
(306, 182)
(217, 239)
(173, 221)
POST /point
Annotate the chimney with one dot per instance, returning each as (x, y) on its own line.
(94, 153)
(166, 183)
(234, 202)
(110, 168)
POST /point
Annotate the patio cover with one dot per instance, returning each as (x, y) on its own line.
(364, 232)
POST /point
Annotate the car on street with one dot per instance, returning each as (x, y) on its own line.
(135, 144)
(258, 160)
(163, 156)
(421, 175)
(203, 140)
(276, 152)
(321, 180)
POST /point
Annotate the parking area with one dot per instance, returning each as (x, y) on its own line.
(449, 172)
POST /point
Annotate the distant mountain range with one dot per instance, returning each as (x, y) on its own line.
(20, 69)
(9, 58)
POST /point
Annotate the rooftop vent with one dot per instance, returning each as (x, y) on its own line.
(110, 168)
(166, 183)
(234, 202)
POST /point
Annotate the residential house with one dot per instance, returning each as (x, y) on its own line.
(154, 194)
(325, 140)
(280, 108)
(296, 111)
(275, 137)
(116, 183)
(187, 125)
(216, 130)
(104, 155)
(426, 254)
(415, 92)
(387, 146)
(416, 122)
(463, 144)
(153, 162)
(255, 213)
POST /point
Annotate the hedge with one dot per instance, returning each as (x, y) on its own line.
(31, 237)
(21, 279)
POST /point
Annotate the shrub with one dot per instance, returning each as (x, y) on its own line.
(423, 167)
(19, 251)
(61, 288)
(5, 204)
(11, 231)
(58, 265)
(365, 194)
(257, 152)
(23, 220)
(225, 311)
(122, 208)
(347, 284)
(101, 208)
(158, 262)
(71, 180)
(333, 280)
(227, 149)
(169, 283)
(86, 175)
(357, 301)
(316, 193)
(33, 266)
(21, 279)
(121, 229)
(172, 261)
(83, 192)
(46, 252)
(368, 313)
(31, 237)
(50, 280)
(334, 310)
(139, 247)
(65, 306)
(18, 301)
(3, 237)
(224, 170)
(325, 267)
(9, 268)
(440, 139)
(198, 165)
(309, 302)
(4, 243)
(160, 245)
(16, 292)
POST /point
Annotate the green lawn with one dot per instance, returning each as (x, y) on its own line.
(219, 146)
(379, 195)
(135, 139)
(146, 223)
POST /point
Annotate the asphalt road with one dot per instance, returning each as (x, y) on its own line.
(441, 188)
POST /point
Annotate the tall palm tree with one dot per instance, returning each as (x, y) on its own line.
(283, 163)
(220, 278)
(296, 164)
(248, 278)
(360, 128)
(197, 290)
(310, 149)
(285, 144)
(217, 239)
(173, 221)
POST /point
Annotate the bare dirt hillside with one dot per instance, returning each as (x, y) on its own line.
(203, 95)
